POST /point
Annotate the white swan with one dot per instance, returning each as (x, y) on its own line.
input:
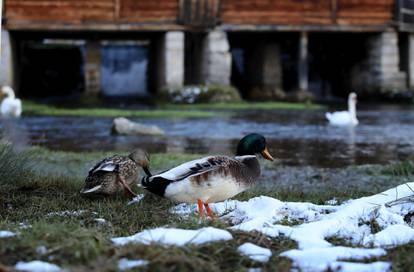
(345, 118)
(10, 106)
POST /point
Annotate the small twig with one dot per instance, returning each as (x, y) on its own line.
(409, 187)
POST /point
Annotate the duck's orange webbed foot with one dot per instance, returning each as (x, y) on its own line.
(209, 211)
(200, 210)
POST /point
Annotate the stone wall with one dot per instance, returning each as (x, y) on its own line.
(216, 59)
(411, 61)
(171, 62)
(265, 72)
(6, 60)
(380, 71)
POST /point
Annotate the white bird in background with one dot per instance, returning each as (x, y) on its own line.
(345, 118)
(10, 106)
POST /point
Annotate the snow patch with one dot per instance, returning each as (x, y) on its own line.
(37, 266)
(321, 259)
(136, 199)
(100, 220)
(360, 267)
(312, 225)
(174, 236)
(254, 252)
(391, 236)
(124, 263)
(6, 234)
(66, 213)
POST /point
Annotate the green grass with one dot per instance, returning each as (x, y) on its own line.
(82, 244)
(164, 111)
(249, 106)
(32, 108)
(401, 169)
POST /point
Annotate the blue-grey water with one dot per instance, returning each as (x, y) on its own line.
(294, 137)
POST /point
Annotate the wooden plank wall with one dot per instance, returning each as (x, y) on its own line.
(164, 12)
(148, 10)
(62, 11)
(364, 12)
(275, 12)
(303, 12)
(85, 11)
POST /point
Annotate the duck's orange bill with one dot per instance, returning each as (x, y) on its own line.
(266, 155)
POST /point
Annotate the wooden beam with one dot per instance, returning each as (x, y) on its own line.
(307, 28)
(54, 26)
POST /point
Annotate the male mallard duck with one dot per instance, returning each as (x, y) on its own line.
(213, 178)
(114, 173)
(10, 106)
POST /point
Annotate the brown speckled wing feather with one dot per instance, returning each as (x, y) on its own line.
(244, 169)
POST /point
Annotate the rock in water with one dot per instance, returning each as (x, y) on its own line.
(124, 126)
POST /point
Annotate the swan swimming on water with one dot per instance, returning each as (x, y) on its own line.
(345, 118)
(10, 106)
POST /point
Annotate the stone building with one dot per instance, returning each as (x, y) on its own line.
(267, 49)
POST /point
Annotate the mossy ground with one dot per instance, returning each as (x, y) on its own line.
(82, 244)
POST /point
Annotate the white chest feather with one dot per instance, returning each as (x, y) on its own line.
(217, 188)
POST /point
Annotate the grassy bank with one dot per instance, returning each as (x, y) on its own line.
(163, 111)
(249, 106)
(50, 183)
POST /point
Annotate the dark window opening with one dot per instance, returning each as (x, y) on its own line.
(193, 58)
(332, 57)
(48, 70)
(246, 49)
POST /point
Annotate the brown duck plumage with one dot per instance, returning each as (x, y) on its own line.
(114, 174)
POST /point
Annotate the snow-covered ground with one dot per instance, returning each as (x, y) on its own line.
(37, 266)
(254, 252)
(6, 234)
(312, 225)
(124, 263)
(173, 236)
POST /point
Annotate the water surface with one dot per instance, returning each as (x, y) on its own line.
(301, 138)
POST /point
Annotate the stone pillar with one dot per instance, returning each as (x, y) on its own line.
(272, 67)
(303, 62)
(216, 59)
(171, 61)
(265, 72)
(92, 67)
(411, 61)
(383, 61)
(6, 60)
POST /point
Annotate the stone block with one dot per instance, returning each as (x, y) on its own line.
(6, 60)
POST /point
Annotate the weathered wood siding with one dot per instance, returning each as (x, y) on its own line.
(365, 12)
(275, 12)
(62, 11)
(167, 14)
(148, 10)
(302, 12)
(83, 12)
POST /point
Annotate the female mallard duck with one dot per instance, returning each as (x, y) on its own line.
(114, 173)
(10, 106)
(213, 178)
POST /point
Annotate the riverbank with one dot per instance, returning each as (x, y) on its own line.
(210, 110)
(54, 224)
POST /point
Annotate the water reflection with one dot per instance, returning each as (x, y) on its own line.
(295, 138)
